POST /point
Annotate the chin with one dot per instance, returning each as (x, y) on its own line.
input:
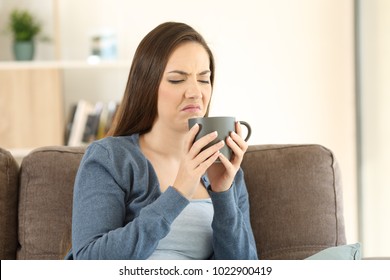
(196, 115)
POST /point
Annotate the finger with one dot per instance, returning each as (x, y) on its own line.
(225, 161)
(202, 142)
(203, 166)
(210, 151)
(239, 141)
(236, 149)
(191, 136)
(238, 128)
(230, 166)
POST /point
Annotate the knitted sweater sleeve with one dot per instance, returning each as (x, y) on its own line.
(101, 226)
(232, 232)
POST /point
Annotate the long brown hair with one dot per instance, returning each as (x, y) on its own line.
(138, 108)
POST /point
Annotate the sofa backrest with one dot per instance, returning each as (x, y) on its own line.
(9, 174)
(295, 198)
(294, 190)
(45, 202)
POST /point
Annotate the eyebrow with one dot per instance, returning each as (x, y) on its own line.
(186, 74)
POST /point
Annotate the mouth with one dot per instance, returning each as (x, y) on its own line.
(193, 108)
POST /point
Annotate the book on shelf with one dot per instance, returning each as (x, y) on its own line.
(89, 122)
(112, 108)
(69, 124)
(92, 124)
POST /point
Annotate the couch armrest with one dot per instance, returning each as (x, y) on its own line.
(9, 176)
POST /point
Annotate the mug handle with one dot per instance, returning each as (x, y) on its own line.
(248, 127)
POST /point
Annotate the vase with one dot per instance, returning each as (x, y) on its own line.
(24, 50)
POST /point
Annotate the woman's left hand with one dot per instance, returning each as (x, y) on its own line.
(221, 175)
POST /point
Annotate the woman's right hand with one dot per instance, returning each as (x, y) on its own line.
(195, 163)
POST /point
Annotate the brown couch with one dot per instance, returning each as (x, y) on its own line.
(295, 196)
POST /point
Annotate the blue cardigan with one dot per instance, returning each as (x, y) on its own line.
(119, 211)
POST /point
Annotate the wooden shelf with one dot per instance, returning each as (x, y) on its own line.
(75, 64)
(31, 107)
(34, 95)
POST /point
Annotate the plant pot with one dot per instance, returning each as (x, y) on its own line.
(24, 50)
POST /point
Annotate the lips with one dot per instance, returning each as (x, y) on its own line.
(192, 108)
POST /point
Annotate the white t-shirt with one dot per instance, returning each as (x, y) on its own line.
(190, 237)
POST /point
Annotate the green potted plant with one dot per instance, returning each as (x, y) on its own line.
(24, 28)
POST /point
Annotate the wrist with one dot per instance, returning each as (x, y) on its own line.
(219, 189)
(186, 195)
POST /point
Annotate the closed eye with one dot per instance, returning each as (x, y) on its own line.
(175, 81)
(204, 81)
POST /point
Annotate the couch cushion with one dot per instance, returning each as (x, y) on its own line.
(294, 191)
(296, 200)
(8, 205)
(342, 252)
(45, 204)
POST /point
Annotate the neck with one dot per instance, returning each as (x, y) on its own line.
(163, 141)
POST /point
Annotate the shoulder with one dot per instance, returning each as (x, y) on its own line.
(112, 143)
(120, 157)
(117, 152)
(116, 147)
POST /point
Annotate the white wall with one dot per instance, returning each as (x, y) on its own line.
(285, 66)
(375, 88)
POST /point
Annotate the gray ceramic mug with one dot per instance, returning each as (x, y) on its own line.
(223, 125)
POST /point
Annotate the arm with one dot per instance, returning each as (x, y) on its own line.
(232, 231)
(113, 217)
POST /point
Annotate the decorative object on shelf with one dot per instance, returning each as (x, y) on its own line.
(103, 46)
(24, 28)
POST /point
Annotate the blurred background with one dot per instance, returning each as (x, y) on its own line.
(299, 71)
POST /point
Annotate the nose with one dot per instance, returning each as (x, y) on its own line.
(193, 91)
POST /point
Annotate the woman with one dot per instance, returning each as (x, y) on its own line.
(143, 193)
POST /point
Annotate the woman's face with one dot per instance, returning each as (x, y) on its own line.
(185, 88)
